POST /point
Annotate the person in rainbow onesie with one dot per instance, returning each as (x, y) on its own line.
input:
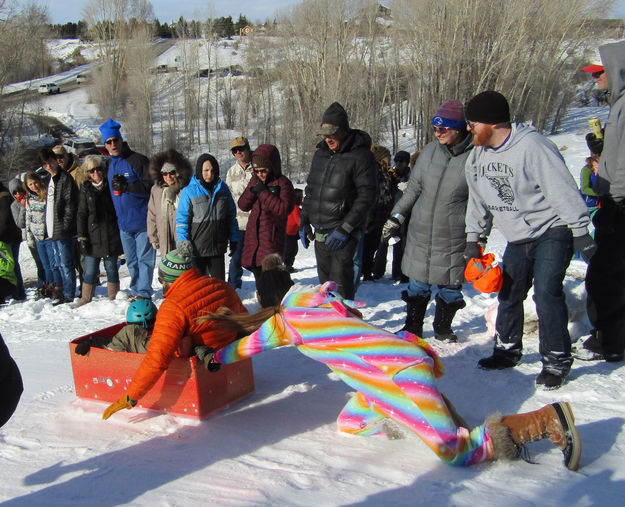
(394, 376)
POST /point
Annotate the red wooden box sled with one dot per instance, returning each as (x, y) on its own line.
(186, 388)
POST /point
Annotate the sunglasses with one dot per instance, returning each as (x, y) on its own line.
(471, 124)
(60, 157)
(261, 171)
(440, 130)
(91, 171)
(238, 148)
(169, 173)
(112, 140)
(596, 75)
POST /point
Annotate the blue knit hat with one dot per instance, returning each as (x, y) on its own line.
(450, 115)
(110, 129)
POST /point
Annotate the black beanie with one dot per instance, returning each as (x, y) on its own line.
(336, 115)
(488, 107)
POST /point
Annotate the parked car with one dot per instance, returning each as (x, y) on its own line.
(82, 78)
(49, 88)
(101, 151)
(78, 144)
(160, 69)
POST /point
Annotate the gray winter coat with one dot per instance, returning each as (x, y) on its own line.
(436, 201)
(611, 174)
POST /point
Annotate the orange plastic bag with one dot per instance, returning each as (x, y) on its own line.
(485, 276)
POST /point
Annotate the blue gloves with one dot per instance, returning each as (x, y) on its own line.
(337, 239)
(305, 235)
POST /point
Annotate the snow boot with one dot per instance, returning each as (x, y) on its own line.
(88, 290)
(415, 312)
(113, 289)
(555, 422)
(57, 295)
(445, 313)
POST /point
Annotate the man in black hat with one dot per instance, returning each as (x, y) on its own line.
(340, 191)
(517, 177)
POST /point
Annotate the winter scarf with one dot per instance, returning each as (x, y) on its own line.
(394, 375)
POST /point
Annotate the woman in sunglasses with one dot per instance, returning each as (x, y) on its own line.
(270, 198)
(98, 232)
(173, 172)
(436, 202)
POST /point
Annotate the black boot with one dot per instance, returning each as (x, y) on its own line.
(445, 313)
(415, 312)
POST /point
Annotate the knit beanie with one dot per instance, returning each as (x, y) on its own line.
(380, 152)
(110, 129)
(334, 117)
(402, 155)
(274, 281)
(450, 115)
(267, 156)
(176, 262)
(488, 107)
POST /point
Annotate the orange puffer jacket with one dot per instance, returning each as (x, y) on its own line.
(189, 297)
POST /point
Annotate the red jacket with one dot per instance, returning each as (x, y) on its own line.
(292, 222)
(266, 226)
(189, 297)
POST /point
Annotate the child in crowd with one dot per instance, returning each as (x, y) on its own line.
(292, 231)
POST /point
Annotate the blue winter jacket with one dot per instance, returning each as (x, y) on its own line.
(207, 219)
(132, 205)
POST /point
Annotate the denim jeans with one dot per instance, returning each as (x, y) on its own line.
(19, 293)
(542, 261)
(140, 259)
(64, 253)
(235, 271)
(92, 265)
(45, 249)
(448, 293)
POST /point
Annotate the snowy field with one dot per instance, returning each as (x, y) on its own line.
(281, 446)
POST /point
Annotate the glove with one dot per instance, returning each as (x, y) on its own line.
(155, 245)
(82, 348)
(124, 402)
(120, 185)
(275, 190)
(585, 245)
(83, 244)
(305, 235)
(472, 251)
(233, 248)
(595, 144)
(391, 228)
(337, 239)
(206, 355)
(258, 188)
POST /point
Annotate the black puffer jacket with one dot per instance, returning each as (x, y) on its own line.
(97, 221)
(65, 205)
(341, 188)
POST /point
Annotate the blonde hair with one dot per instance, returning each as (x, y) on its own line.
(90, 162)
(42, 195)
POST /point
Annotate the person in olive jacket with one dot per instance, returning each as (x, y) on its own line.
(341, 190)
(269, 197)
(98, 233)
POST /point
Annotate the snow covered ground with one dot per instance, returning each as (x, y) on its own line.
(281, 446)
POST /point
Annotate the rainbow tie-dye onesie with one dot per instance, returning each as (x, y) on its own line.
(394, 375)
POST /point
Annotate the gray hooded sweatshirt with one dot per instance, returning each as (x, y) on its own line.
(611, 175)
(525, 186)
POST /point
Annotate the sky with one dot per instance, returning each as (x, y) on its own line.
(62, 11)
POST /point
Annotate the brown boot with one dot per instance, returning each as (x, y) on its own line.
(88, 290)
(113, 289)
(555, 422)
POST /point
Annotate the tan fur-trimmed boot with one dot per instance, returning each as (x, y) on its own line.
(555, 422)
(88, 290)
(113, 289)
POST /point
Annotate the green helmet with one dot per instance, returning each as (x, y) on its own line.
(141, 311)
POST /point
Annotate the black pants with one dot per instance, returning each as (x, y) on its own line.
(337, 265)
(11, 386)
(290, 249)
(214, 267)
(605, 277)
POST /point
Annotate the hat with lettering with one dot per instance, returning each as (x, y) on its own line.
(450, 115)
(176, 262)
